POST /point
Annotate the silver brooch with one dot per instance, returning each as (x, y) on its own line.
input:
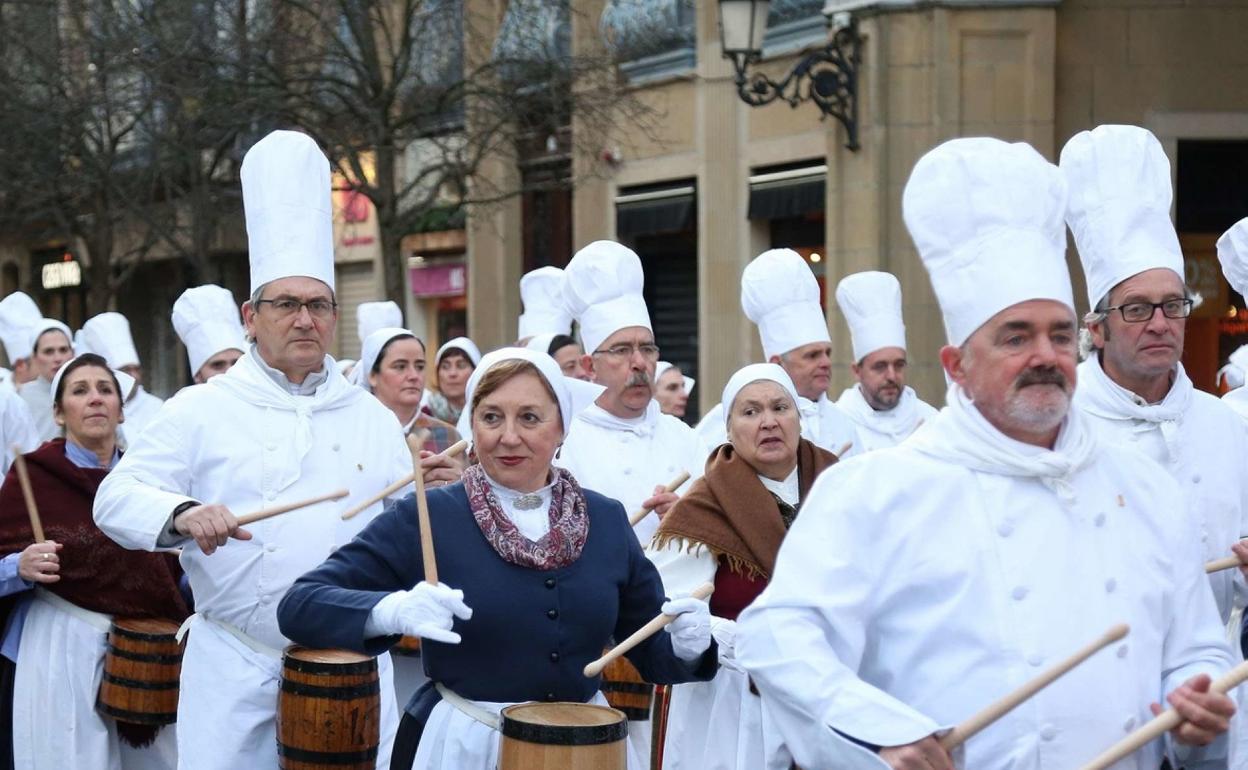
(528, 502)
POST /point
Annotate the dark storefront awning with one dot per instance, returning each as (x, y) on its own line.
(787, 194)
(663, 210)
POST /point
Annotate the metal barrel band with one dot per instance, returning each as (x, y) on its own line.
(562, 735)
(639, 688)
(634, 713)
(331, 692)
(136, 684)
(137, 717)
(144, 657)
(337, 669)
(296, 754)
(142, 636)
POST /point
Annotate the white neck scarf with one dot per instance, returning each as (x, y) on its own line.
(642, 426)
(248, 382)
(1102, 397)
(809, 412)
(961, 435)
(898, 422)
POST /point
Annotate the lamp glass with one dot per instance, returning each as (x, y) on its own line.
(742, 25)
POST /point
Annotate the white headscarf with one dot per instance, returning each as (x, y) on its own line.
(373, 345)
(661, 367)
(47, 325)
(546, 367)
(459, 343)
(755, 373)
(124, 381)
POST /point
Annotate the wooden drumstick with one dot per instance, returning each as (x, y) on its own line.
(1161, 724)
(844, 448)
(642, 634)
(422, 513)
(23, 478)
(251, 518)
(1226, 562)
(963, 732)
(641, 513)
(454, 449)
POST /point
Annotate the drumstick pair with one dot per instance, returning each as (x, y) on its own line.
(453, 450)
(672, 486)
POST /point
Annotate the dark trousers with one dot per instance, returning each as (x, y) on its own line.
(406, 739)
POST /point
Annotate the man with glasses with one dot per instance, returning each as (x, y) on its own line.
(1133, 385)
(280, 426)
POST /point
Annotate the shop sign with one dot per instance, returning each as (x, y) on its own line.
(61, 275)
(439, 280)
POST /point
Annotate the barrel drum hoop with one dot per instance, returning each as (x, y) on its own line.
(142, 636)
(137, 717)
(563, 735)
(135, 684)
(335, 669)
(640, 688)
(337, 692)
(295, 754)
(145, 657)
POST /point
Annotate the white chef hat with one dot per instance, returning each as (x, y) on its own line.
(459, 343)
(124, 381)
(661, 367)
(541, 291)
(47, 325)
(371, 316)
(1233, 254)
(286, 199)
(1118, 182)
(1236, 368)
(602, 289)
(780, 295)
(108, 335)
(753, 373)
(18, 314)
(206, 320)
(373, 345)
(986, 217)
(871, 302)
(546, 366)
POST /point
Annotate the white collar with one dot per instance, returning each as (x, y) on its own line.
(787, 490)
(306, 388)
(642, 426)
(901, 420)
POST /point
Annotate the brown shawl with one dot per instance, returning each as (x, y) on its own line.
(731, 513)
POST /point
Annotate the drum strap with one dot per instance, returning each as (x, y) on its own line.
(479, 713)
(97, 620)
(255, 645)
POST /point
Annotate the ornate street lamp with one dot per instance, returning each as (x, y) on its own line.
(827, 76)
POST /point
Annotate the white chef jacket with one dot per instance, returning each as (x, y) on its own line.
(16, 428)
(899, 609)
(212, 445)
(38, 397)
(1199, 441)
(882, 429)
(139, 411)
(1237, 400)
(823, 424)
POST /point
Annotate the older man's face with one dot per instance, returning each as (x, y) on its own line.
(625, 364)
(295, 342)
(1019, 369)
(1133, 352)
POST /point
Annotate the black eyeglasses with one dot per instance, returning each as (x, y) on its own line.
(1140, 312)
(288, 306)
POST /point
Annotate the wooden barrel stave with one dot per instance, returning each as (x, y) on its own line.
(626, 690)
(142, 664)
(329, 710)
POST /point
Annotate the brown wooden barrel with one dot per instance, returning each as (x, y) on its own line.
(328, 710)
(626, 690)
(407, 645)
(563, 736)
(141, 668)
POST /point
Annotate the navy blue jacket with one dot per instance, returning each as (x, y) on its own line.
(531, 631)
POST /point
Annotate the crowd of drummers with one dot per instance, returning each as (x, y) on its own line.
(299, 562)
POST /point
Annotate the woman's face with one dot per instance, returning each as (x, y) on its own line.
(516, 431)
(52, 349)
(90, 407)
(400, 381)
(764, 428)
(669, 391)
(453, 372)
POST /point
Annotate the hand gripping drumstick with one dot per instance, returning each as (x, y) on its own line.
(23, 478)
(963, 732)
(451, 451)
(642, 513)
(1217, 565)
(251, 518)
(1161, 724)
(642, 634)
(422, 513)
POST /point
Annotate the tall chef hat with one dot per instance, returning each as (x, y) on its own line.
(871, 302)
(986, 217)
(602, 290)
(541, 291)
(1118, 179)
(108, 335)
(781, 296)
(371, 316)
(206, 320)
(18, 315)
(1233, 254)
(286, 199)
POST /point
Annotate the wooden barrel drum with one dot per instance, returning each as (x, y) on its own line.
(563, 736)
(328, 710)
(141, 668)
(626, 690)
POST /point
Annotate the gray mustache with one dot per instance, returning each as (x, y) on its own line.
(1041, 377)
(638, 378)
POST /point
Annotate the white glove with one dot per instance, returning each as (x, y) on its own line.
(691, 630)
(427, 611)
(724, 632)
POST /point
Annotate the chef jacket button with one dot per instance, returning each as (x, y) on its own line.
(264, 600)
(270, 548)
(628, 471)
(1129, 725)
(1034, 659)
(1196, 478)
(272, 447)
(1122, 650)
(336, 447)
(552, 614)
(1110, 585)
(1048, 733)
(1020, 593)
(554, 657)
(1100, 519)
(550, 582)
(1006, 529)
(550, 696)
